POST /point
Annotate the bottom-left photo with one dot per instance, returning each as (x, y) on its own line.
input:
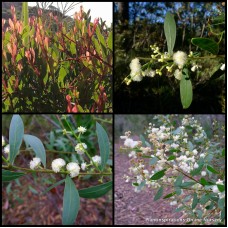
(57, 169)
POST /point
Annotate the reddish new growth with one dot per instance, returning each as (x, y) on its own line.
(70, 108)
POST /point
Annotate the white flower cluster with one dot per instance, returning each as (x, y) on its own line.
(180, 58)
(81, 129)
(80, 148)
(35, 163)
(72, 167)
(174, 151)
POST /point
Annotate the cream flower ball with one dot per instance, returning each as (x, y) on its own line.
(35, 163)
(57, 164)
(136, 72)
(180, 58)
(73, 168)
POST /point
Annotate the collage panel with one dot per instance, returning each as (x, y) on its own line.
(57, 169)
(170, 57)
(169, 170)
(57, 57)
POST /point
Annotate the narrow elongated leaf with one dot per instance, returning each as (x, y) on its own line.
(25, 20)
(203, 181)
(110, 40)
(103, 142)
(195, 201)
(71, 202)
(169, 195)
(221, 187)
(221, 203)
(206, 44)
(158, 175)
(16, 133)
(187, 184)
(158, 194)
(211, 169)
(96, 191)
(172, 157)
(37, 146)
(178, 181)
(53, 186)
(186, 90)
(170, 32)
(9, 175)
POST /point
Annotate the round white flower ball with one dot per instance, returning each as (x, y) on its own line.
(81, 129)
(80, 148)
(180, 58)
(203, 173)
(57, 164)
(96, 159)
(73, 168)
(35, 163)
(136, 72)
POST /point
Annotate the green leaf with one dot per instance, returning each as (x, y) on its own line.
(153, 160)
(135, 184)
(223, 152)
(9, 175)
(221, 203)
(195, 201)
(170, 32)
(185, 89)
(223, 214)
(178, 181)
(178, 190)
(204, 198)
(180, 209)
(25, 15)
(33, 190)
(211, 169)
(203, 181)
(71, 202)
(53, 186)
(96, 191)
(158, 175)
(187, 184)
(37, 146)
(158, 194)
(221, 187)
(16, 133)
(62, 75)
(103, 142)
(110, 41)
(206, 44)
(172, 157)
(169, 195)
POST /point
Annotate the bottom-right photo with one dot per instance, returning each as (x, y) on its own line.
(169, 170)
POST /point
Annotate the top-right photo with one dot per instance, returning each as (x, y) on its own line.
(169, 57)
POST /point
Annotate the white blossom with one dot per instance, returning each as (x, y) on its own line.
(196, 166)
(83, 166)
(222, 67)
(130, 143)
(81, 129)
(7, 149)
(180, 58)
(136, 72)
(178, 74)
(73, 168)
(173, 203)
(57, 164)
(35, 163)
(80, 148)
(203, 173)
(96, 159)
(3, 141)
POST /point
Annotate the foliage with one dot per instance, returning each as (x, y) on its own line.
(55, 69)
(84, 161)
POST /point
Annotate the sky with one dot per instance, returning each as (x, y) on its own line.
(97, 9)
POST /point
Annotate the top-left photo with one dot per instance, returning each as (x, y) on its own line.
(57, 57)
